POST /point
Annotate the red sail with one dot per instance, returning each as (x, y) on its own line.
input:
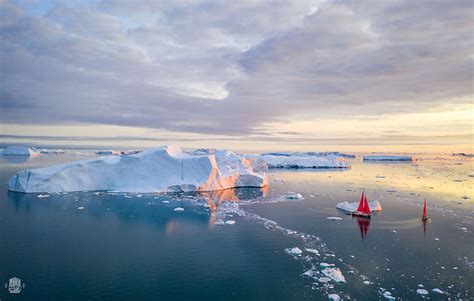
(425, 213)
(361, 203)
(366, 209)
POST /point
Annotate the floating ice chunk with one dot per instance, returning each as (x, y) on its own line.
(388, 158)
(324, 279)
(295, 196)
(366, 282)
(219, 222)
(43, 195)
(388, 295)
(436, 238)
(421, 285)
(334, 218)
(19, 150)
(466, 197)
(230, 222)
(422, 291)
(165, 202)
(334, 297)
(326, 265)
(351, 207)
(179, 209)
(294, 251)
(437, 290)
(80, 208)
(164, 169)
(335, 274)
(314, 251)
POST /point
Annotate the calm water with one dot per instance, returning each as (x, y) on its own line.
(87, 246)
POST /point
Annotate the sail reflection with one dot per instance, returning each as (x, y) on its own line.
(363, 224)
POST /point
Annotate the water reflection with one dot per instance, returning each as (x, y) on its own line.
(152, 208)
(364, 224)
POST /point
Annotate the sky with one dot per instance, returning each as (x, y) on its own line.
(253, 75)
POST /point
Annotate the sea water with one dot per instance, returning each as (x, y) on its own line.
(122, 246)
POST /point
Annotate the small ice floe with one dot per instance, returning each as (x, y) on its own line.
(165, 202)
(436, 238)
(41, 196)
(312, 196)
(366, 282)
(388, 295)
(464, 229)
(422, 291)
(335, 274)
(294, 251)
(324, 279)
(421, 285)
(314, 251)
(437, 290)
(466, 197)
(334, 297)
(394, 231)
(294, 196)
(230, 222)
(326, 265)
(139, 195)
(351, 207)
(334, 218)
(219, 222)
(80, 208)
(179, 209)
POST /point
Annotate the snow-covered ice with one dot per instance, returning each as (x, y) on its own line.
(179, 209)
(41, 196)
(335, 274)
(19, 150)
(230, 222)
(351, 207)
(387, 158)
(314, 251)
(164, 169)
(437, 290)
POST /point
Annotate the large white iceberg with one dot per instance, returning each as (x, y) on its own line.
(388, 158)
(302, 160)
(164, 169)
(374, 206)
(19, 150)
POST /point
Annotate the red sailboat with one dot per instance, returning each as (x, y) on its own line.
(425, 213)
(363, 210)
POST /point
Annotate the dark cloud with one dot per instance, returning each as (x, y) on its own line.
(227, 68)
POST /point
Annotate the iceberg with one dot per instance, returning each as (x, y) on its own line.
(163, 169)
(351, 207)
(19, 150)
(388, 158)
(107, 153)
(301, 160)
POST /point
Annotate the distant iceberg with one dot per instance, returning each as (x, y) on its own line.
(107, 152)
(164, 169)
(388, 158)
(302, 160)
(19, 150)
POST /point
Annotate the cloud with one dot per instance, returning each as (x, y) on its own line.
(229, 68)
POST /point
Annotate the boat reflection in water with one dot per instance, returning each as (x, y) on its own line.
(364, 224)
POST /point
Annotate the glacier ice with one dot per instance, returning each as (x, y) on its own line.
(302, 160)
(388, 158)
(19, 150)
(163, 169)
